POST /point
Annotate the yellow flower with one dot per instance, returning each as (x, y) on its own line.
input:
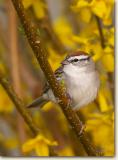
(66, 151)
(66, 33)
(2, 68)
(101, 8)
(108, 59)
(11, 143)
(27, 3)
(5, 104)
(105, 100)
(103, 134)
(83, 7)
(82, 3)
(109, 36)
(89, 45)
(48, 106)
(85, 15)
(80, 40)
(40, 144)
(96, 49)
(38, 7)
(54, 58)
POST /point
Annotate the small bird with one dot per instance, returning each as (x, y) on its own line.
(78, 76)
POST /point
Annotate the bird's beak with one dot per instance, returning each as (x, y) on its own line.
(64, 62)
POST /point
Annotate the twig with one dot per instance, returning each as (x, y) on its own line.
(20, 106)
(40, 54)
(102, 41)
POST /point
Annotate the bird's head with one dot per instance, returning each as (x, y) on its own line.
(79, 60)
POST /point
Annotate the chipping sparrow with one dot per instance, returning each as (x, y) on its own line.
(78, 75)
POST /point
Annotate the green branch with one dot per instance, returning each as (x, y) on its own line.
(40, 53)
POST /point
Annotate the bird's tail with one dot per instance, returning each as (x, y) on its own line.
(39, 102)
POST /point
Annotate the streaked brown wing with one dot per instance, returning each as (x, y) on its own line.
(58, 74)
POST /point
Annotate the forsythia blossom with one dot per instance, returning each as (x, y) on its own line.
(101, 8)
(38, 7)
(40, 144)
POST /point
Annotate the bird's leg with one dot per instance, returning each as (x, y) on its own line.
(83, 126)
(69, 98)
(82, 129)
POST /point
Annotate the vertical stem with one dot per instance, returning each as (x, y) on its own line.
(102, 41)
(15, 64)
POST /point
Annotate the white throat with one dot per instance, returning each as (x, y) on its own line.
(73, 71)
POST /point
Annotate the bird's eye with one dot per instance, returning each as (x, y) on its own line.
(75, 60)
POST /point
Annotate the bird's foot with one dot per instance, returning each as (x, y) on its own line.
(82, 130)
(69, 98)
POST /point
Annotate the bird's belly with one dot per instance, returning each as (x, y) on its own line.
(83, 89)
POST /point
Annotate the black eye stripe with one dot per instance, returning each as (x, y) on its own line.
(84, 59)
(76, 60)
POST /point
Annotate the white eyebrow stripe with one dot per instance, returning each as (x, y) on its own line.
(79, 57)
